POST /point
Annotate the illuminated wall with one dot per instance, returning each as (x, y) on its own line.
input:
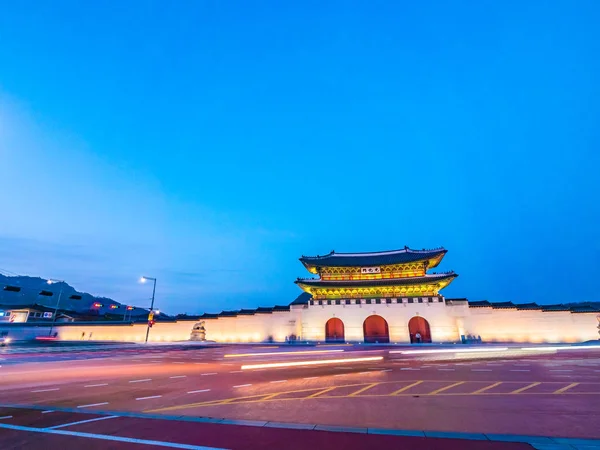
(447, 324)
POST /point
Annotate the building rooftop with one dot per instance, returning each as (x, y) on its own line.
(367, 259)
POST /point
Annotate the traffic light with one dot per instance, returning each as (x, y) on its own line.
(151, 322)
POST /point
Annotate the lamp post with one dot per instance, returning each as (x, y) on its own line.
(143, 280)
(51, 281)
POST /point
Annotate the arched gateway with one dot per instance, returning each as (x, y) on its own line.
(334, 330)
(376, 330)
(419, 325)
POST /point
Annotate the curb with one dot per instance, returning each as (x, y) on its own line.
(538, 442)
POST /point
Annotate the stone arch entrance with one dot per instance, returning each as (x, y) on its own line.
(419, 325)
(334, 330)
(376, 330)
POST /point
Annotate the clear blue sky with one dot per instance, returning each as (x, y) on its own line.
(210, 144)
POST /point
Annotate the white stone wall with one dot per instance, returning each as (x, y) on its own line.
(511, 325)
(447, 323)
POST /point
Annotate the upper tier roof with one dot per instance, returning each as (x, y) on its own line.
(406, 255)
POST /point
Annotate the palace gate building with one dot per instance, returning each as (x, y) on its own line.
(378, 297)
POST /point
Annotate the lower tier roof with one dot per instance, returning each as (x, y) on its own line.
(408, 281)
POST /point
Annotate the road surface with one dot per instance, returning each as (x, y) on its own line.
(512, 392)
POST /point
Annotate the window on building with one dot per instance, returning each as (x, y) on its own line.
(378, 301)
(410, 300)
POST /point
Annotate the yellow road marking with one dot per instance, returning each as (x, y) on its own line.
(479, 391)
(275, 396)
(363, 389)
(269, 397)
(445, 388)
(316, 394)
(518, 391)
(561, 390)
(406, 388)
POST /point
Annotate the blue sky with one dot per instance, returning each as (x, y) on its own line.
(210, 144)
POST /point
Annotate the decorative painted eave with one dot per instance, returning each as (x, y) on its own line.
(443, 278)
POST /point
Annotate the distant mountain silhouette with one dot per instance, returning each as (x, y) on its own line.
(32, 290)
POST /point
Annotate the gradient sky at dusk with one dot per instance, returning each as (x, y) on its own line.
(210, 144)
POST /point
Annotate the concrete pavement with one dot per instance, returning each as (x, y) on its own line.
(547, 394)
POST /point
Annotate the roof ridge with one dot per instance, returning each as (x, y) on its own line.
(406, 249)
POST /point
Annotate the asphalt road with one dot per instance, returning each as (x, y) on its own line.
(547, 393)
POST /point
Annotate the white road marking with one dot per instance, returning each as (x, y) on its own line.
(149, 397)
(561, 370)
(388, 370)
(140, 381)
(520, 370)
(242, 385)
(108, 438)
(46, 390)
(198, 391)
(205, 374)
(46, 412)
(409, 368)
(279, 381)
(96, 385)
(6, 417)
(521, 364)
(236, 371)
(310, 378)
(178, 376)
(447, 369)
(81, 421)
(481, 370)
(93, 404)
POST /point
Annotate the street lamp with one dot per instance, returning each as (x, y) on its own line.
(143, 280)
(51, 281)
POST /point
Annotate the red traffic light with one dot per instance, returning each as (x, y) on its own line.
(97, 305)
(150, 323)
(129, 308)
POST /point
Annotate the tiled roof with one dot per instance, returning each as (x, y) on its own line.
(405, 255)
(431, 278)
(559, 307)
(209, 316)
(302, 299)
(581, 308)
(480, 304)
(503, 305)
(526, 306)
(281, 308)
(585, 309)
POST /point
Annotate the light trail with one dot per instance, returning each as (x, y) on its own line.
(310, 363)
(305, 352)
(450, 350)
(562, 347)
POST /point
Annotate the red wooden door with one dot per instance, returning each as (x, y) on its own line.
(376, 330)
(419, 325)
(334, 330)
